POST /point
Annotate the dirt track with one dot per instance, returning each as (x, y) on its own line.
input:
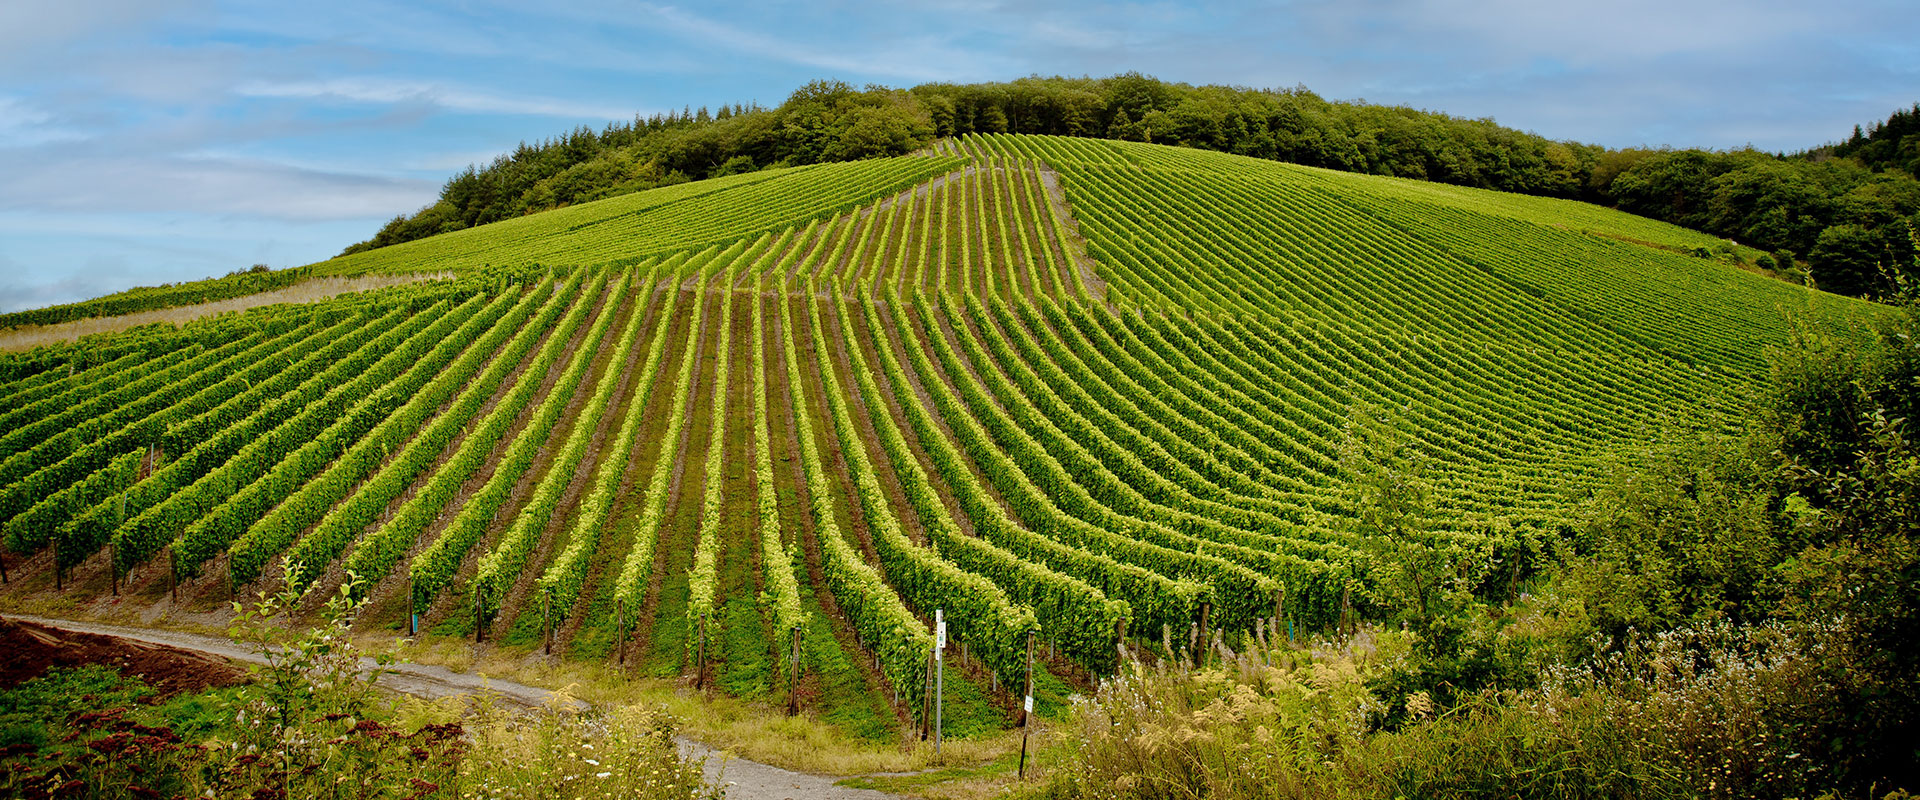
(743, 779)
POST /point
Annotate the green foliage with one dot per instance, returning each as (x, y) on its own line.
(630, 588)
(501, 568)
(657, 221)
(433, 569)
(563, 581)
(1686, 537)
(821, 122)
(377, 553)
(238, 283)
(346, 519)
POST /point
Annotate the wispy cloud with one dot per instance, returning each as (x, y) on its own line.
(207, 185)
(23, 125)
(393, 91)
(917, 57)
(28, 27)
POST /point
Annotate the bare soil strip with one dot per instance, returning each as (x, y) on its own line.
(329, 582)
(27, 337)
(1076, 244)
(925, 401)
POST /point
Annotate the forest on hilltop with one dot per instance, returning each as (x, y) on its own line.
(1835, 216)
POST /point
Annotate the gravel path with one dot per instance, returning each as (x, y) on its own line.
(743, 779)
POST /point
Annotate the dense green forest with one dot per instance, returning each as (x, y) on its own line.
(1836, 216)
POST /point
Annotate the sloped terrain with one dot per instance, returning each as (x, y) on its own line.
(1094, 392)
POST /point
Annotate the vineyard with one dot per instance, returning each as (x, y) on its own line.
(1085, 398)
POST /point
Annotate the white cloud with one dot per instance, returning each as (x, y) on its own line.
(920, 57)
(29, 26)
(207, 185)
(391, 91)
(23, 125)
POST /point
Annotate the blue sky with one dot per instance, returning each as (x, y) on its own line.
(145, 141)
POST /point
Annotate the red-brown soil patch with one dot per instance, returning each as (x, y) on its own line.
(33, 649)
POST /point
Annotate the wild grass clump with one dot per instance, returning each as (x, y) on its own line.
(1705, 711)
(312, 724)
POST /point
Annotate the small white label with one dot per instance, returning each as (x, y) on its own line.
(941, 627)
(1029, 704)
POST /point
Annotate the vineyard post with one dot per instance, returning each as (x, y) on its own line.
(939, 672)
(413, 608)
(3, 560)
(926, 701)
(1279, 606)
(546, 622)
(1120, 642)
(1026, 708)
(476, 615)
(620, 624)
(173, 577)
(1346, 608)
(1206, 616)
(700, 655)
(793, 672)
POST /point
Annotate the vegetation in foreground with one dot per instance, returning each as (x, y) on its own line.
(311, 724)
(1739, 619)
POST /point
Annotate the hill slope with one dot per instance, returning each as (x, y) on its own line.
(1091, 390)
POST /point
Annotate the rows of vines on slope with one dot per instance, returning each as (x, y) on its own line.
(346, 520)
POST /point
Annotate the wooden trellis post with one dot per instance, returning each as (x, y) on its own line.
(620, 625)
(793, 672)
(1026, 708)
(700, 656)
(546, 622)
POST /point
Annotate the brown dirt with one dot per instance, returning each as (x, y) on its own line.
(743, 779)
(642, 455)
(842, 339)
(835, 461)
(812, 239)
(27, 337)
(388, 599)
(449, 602)
(553, 536)
(1014, 230)
(329, 582)
(917, 318)
(948, 321)
(790, 473)
(869, 349)
(739, 567)
(210, 590)
(665, 558)
(32, 649)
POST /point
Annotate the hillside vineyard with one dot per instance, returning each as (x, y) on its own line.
(1099, 393)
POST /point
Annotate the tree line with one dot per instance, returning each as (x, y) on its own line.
(1836, 216)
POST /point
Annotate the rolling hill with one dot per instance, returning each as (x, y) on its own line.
(1098, 391)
